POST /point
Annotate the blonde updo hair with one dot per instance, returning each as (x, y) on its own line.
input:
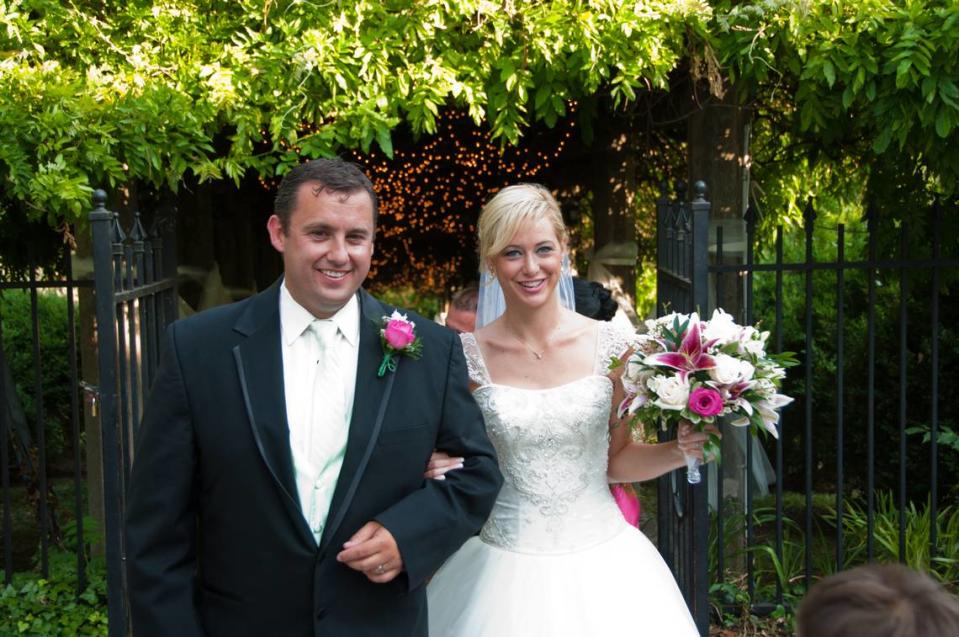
(509, 209)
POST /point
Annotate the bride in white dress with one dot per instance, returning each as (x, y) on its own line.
(556, 558)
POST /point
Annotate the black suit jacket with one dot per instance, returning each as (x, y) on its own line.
(216, 542)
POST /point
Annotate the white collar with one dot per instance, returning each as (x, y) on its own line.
(295, 319)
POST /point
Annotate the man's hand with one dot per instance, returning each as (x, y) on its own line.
(373, 551)
(441, 462)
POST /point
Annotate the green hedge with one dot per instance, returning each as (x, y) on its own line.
(887, 379)
(424, 303)
(15, 313)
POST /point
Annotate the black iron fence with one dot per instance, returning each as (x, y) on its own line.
(681, 285)
(856, 470)
(135, 299)
(25, 474)
(135, 283)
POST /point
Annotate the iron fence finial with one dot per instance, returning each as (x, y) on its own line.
(118, 235)
(137, 233)
(699, 190)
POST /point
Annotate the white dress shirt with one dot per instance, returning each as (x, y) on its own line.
(316, 476)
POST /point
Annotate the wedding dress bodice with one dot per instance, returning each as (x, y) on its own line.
(552, 446)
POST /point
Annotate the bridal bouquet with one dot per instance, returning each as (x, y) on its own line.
(687, 369)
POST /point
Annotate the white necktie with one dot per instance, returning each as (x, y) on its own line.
(326, 444)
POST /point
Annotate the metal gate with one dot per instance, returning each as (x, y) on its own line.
(135, 286)
(867, 449)
(682, 279)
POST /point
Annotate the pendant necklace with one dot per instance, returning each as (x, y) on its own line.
(537, 355)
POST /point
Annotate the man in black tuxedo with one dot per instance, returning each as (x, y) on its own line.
(277, 487)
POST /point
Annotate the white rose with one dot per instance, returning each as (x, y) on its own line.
(726, 370)
(730, 370)
(721, 328)
(672, 392)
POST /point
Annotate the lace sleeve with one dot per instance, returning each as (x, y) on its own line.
(613, 342)
(474, 359)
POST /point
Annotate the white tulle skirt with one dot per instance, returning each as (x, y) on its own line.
(619, 587)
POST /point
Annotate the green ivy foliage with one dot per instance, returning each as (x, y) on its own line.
(104, 92)
(51, 607)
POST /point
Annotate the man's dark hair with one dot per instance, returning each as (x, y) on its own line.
(878, 600)
(332, 175)
(466, 299)
(593, 300)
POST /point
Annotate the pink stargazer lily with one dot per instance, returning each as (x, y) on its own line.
(691, 355)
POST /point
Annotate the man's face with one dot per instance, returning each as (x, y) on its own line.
(460, 320)
(327, 247)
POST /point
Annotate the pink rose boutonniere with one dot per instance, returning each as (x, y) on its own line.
(398, 336)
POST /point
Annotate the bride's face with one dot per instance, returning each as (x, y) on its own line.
(528, 268)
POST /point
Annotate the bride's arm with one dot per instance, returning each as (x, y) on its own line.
(631, 461)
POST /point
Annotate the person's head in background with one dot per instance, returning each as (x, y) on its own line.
(878, 600)
(461, 316)
(593, 300)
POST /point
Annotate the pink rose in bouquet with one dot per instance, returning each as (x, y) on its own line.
(706, 402)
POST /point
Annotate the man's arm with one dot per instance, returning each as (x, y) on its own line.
(161, 510)
(430, 524)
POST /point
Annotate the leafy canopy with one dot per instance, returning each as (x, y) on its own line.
(105, 92)
(864, 78)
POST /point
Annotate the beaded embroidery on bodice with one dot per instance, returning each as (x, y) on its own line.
(552, 446)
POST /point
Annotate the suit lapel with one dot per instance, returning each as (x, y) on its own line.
(259, 362)
(371, 397)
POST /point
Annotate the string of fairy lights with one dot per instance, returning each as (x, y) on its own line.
(431, 193)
